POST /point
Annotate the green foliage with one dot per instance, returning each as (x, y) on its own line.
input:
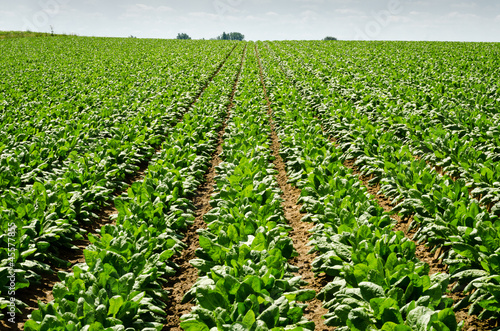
(231, 36)
(377, 280)
(121, 283)
(246, 282)
(183, 36)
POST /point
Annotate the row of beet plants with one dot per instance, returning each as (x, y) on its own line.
(121, 284)
(440, 127)
(442, 208)
(106, 140)
(377, 282)
(110, 100)
(245, 280)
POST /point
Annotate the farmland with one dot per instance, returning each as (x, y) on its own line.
(218, 185)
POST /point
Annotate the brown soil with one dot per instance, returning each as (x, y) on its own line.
(187, 275)
(473, 324)
(300, 230)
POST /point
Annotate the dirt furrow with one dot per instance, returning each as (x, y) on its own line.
(301, 230)
(187, 275)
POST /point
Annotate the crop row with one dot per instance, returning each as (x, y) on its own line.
(101, 135)
(446, 214)
(456, 132)
(121, 284)
(377, 280)
(245, 280)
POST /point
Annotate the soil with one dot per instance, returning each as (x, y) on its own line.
(187, 275)
(300, 230)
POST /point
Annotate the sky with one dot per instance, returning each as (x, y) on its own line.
(442, 20)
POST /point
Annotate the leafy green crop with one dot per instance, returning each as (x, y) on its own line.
(384, 122)
(121, 283)
(245, 280)
(378, 283)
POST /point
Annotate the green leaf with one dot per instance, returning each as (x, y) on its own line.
(390, 326)
(466, 251)
(359, 319)
(300, 295)
(214, 250)
(371, 290)
(232, 233)
(420, 317)
(50, 323)
(115, 304)
(194, 325)
(41, 195)
(249, 319)
(210, 299)
(270, 316)
(31, 325)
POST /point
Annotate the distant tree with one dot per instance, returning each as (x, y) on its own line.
(183, 36)
(329, 38)
(236, 36)
(231, 36)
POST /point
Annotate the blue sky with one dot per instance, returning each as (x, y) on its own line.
(445, 20)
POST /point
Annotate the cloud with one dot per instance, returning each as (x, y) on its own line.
(465, 5)
(308, 16)
(349, 11)
(201, 14)
(140, 10)
(5, 13)
(400, 19)
(309, 1)
(457, 15)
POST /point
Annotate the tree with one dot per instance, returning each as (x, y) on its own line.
(183, 36)
(231, 36)
(236, 36)
(329, 38)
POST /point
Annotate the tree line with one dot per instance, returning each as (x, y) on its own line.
(233, 36)
(223, 36)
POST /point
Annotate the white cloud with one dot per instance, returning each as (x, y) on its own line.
(5, 13)
(140, 10)
(140, 7)
(466, 5)
(309, 1)
(399, 19)
(204, 15)
(348, 11)
(457, 15)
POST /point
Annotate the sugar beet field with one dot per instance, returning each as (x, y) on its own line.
(212, 185)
